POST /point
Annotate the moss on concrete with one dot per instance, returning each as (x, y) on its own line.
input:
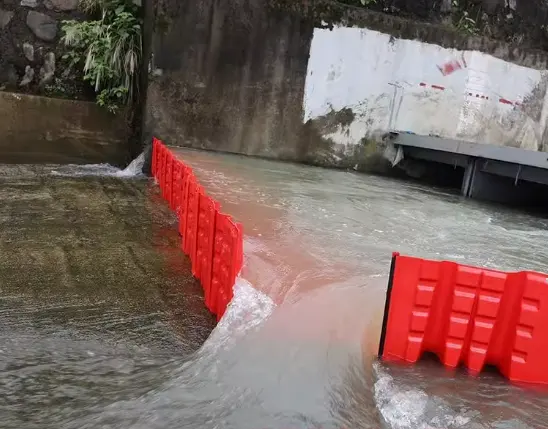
(318, 149)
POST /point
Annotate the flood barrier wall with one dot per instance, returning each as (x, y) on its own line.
(465, 315)
(212, 240)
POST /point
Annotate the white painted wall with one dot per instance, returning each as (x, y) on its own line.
(379, 78)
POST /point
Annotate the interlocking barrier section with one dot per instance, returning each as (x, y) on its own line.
(467, 316)
(211, 239)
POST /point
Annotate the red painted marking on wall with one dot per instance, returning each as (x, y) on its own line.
(476, 95)
(450, 67)
(442, 88)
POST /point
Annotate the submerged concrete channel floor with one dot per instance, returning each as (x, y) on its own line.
(97, 302)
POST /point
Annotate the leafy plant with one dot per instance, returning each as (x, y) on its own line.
(107, 49)
(462, 20)
(467, 25)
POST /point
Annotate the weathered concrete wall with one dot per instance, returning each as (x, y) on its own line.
(229, 76)
(47, 130)
(30, 48)
(388, 84)
(232, 76)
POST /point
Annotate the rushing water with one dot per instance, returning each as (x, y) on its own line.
(296, 347)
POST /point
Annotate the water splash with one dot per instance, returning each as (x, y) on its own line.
(200, 383)
(411, 408)
(134, 169)
(248, 309)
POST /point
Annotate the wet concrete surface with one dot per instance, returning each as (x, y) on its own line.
(97, 302)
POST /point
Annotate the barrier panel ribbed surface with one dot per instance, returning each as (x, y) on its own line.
(467, 316)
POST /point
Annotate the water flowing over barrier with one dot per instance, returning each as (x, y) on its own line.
(211, 239)
(467, 315)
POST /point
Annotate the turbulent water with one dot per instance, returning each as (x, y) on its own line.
(296, 347)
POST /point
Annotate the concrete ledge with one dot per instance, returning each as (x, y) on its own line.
(490, 173)
(48, 130)
(499, 153)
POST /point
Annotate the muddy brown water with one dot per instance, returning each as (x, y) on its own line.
(102, 327)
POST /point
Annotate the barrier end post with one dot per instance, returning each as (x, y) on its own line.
(387, 303)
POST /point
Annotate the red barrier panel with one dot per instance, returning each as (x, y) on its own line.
(177, 174)
(162, 172)
(168, 180)
(467, 315)
(203, 263)
(158, 151)
(191, 224)
(155, 147)
(213, 242)
(183, 206)
(179, 187)
(225, 260)
(240, 248)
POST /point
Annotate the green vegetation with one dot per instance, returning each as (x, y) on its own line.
(107, 50)
(462, 19)
(461, 13)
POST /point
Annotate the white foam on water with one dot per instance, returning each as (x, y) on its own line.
(247, 310)
(409, 408)
(134, 169)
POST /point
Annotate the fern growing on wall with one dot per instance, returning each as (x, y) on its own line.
(108, 49)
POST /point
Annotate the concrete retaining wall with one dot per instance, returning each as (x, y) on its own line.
(256, 78)
(228, 76)
(47, 130)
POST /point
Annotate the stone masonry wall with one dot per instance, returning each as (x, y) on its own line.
(30, 47)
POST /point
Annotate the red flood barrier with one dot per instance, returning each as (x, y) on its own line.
(467, 316)
(211, 239)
